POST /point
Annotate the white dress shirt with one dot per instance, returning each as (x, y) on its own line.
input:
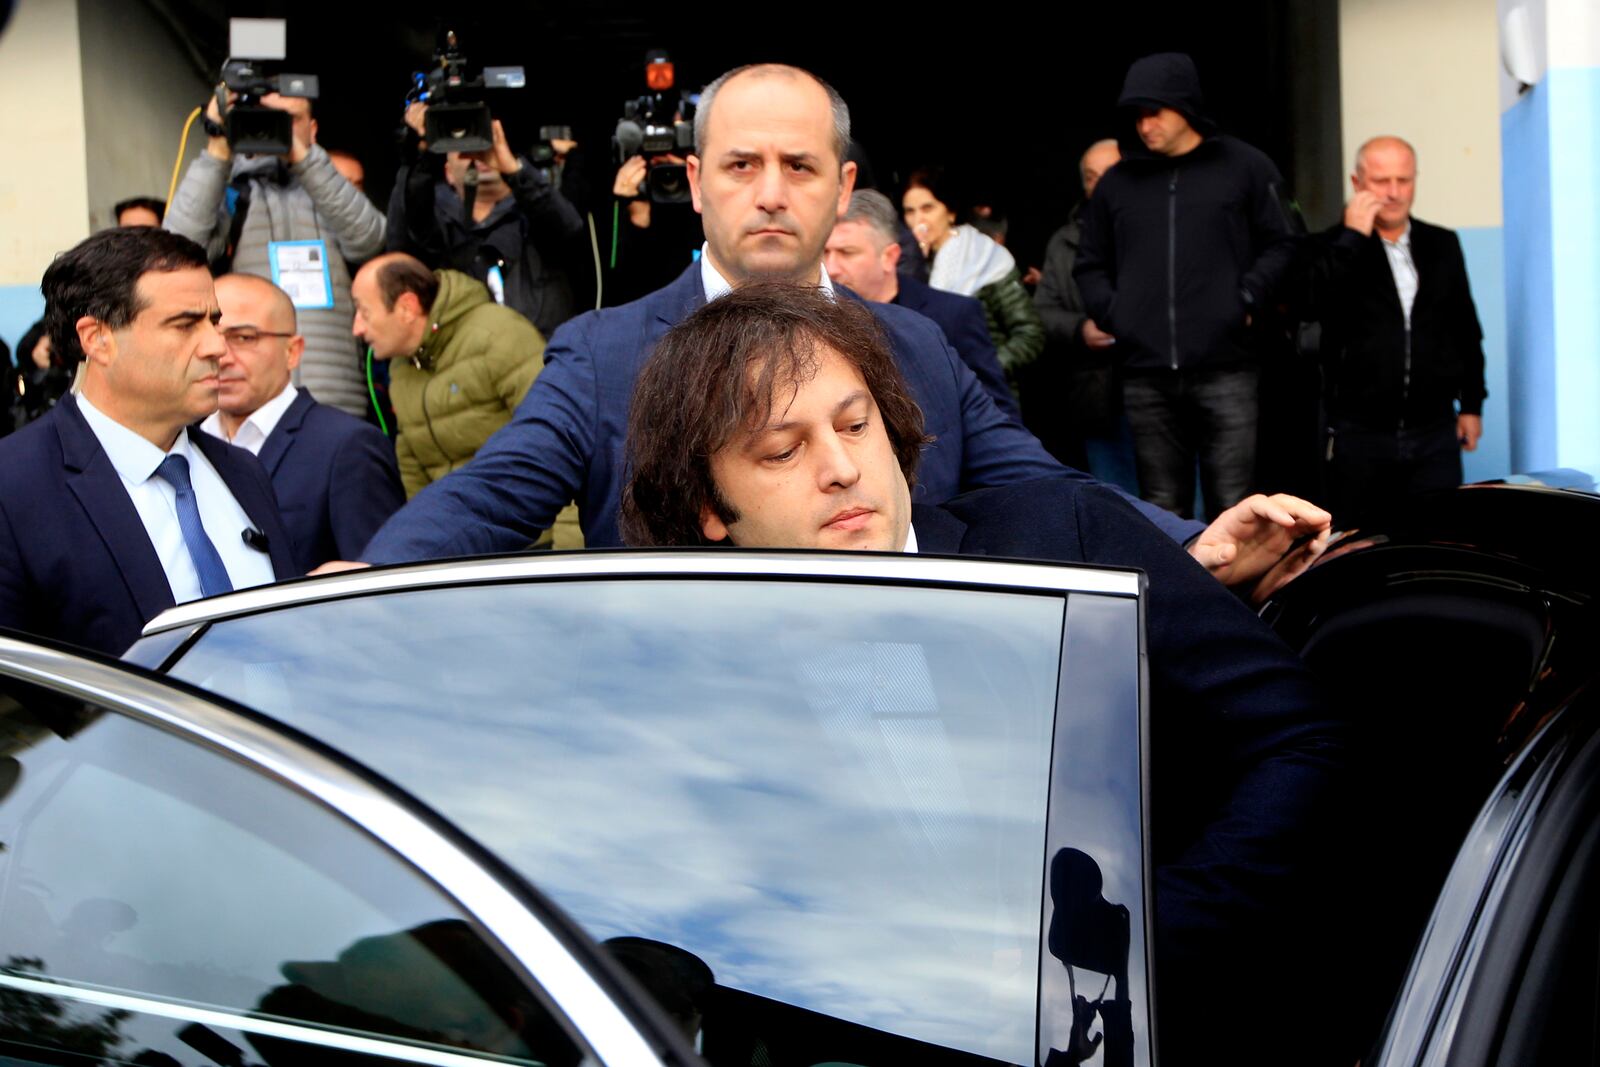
(716, 285)
(911, 540)
(254, 430)
(1403, 268)
(136, 460)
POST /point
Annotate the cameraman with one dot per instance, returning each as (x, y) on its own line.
(241, 208)
(521, 230)
(654, 241)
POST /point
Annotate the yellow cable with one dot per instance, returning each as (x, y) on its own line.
(183, 143)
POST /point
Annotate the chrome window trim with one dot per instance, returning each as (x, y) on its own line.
(611, 1035)
(712, 563)
(251, 1024)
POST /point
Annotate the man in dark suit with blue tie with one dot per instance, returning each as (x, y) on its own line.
(112, 509)
(335, 476)
(769, 178)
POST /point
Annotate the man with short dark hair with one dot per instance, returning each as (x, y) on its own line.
(1186, 241)
(769, 177)
(139, 211)
(776, 417)
(459, 362)
(112, 507)
(334, 475)
(1401, 344)
(863, 252)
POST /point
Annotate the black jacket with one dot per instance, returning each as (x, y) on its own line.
(1378, 373)
(1176, 252)
(531, 235)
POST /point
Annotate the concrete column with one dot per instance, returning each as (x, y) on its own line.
(1423, 70)
(1550, 136)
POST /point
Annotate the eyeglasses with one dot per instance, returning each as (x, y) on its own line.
(247, 338)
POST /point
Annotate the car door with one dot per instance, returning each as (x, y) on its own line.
(827, 808)
(182, 883)
(1454, 634)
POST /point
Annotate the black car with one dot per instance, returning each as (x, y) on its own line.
(800, 808)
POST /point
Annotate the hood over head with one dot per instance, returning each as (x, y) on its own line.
(1167, 79)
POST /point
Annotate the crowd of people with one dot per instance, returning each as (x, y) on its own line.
(831, 370)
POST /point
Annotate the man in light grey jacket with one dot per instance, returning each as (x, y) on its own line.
(296, 220)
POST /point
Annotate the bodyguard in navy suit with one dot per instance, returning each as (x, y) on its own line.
(863, 252)
(1246, 752)
(111, 509)
(769, 180)
(335, 476)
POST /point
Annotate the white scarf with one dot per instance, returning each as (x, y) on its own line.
(968, 261)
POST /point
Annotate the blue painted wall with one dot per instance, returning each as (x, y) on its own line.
(1550, 172)
(1484, 250)
(1574, 100)
(20, 307)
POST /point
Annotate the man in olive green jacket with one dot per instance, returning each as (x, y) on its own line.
(460, 362)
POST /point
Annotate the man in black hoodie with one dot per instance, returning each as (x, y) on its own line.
(1184, 241)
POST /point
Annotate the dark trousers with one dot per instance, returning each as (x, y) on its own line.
(1178, 417)
(1371, 471)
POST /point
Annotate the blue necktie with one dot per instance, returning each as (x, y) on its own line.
(174, 470)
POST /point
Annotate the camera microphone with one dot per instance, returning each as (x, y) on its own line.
(254, 538)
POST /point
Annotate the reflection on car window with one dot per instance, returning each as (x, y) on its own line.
(136, 864)
(830, 796)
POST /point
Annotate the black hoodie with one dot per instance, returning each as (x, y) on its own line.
(1178, 250)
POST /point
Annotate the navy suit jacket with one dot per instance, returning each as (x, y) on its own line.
(75, 561)
(961, 318)
(335, 477)
(1247, 757)
(566, 439)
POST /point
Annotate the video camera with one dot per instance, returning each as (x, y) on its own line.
(255, 45)
(458, 119)
(658, 124)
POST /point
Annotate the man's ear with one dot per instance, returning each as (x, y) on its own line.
(297, 346)
(313, 131)
(411, 304)
(891, 254)
(96, 340)
(712, 526)
(692, 165)
(847, 185)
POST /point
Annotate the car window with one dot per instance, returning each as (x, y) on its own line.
(161, 903)
(806, 815)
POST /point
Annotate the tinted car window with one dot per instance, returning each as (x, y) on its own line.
(158, 898)
(832, 796)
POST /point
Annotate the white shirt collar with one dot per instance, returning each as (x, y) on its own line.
(1403, 241)
(911, 540)
(263, 420)
(715, 285)
(134, 457)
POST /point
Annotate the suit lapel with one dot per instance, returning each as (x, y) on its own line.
(100, 492)
(682, 298)
(261, 507)
(282, 437)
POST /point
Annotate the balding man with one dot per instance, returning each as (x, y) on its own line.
(1401, 343)
(769, 177)
(1072, 396)
(334, 475)
(461, 362)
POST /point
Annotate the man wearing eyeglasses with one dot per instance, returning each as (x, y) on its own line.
(334, 475)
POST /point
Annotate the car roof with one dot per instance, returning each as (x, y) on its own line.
(626, 563)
